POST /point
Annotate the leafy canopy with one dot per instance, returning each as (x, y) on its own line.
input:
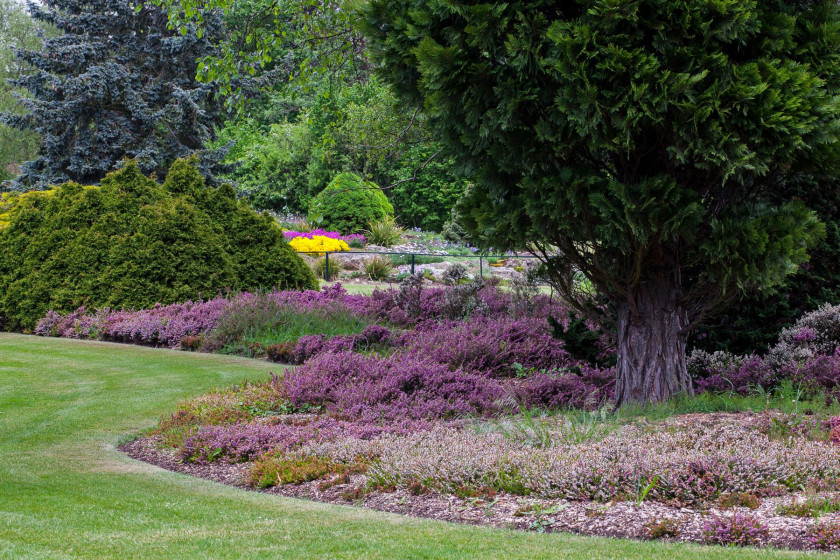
(630, 140)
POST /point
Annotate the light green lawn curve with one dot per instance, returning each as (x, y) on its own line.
(66, 492)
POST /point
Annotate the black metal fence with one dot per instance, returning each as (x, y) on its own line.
(482, 258)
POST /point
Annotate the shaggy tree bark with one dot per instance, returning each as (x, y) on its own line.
(651, 342)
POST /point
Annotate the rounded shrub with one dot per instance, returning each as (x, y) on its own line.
(135, 243)
(349, 204)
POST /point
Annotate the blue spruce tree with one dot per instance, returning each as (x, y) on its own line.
(116, 84)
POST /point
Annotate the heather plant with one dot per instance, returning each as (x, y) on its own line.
(818, 330)
(581, 387)
(233, 405)
(825, 536)
(455, 274)
(660, 529)
(277, 469)
(409, 297)
(399, 386)
(490, 346)
(691, 466)
(833, 426)
(735, 530)
(739, 499)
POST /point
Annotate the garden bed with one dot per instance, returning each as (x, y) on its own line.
(474, 404)
(731, 518)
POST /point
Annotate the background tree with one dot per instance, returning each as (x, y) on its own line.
(360, 128)
(17, 31)
(117, 83)
(638, 143)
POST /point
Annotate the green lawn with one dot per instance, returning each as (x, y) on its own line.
(66, 492)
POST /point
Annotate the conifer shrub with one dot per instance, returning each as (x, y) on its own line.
(134, 243)
(349, 204)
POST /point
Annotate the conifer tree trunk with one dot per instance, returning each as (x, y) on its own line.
(651, 344)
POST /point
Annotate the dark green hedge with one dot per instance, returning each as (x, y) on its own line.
(134, 243)
(348, 204)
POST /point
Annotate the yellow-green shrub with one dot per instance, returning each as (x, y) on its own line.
(134, 243)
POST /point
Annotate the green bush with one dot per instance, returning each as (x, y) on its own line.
(427, 201)
(349, 204)
(134, 243)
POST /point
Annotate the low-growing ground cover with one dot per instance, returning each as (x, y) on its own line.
(66, 492)
(455, 393)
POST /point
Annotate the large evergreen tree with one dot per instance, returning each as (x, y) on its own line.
(642, 143)
(117, 83)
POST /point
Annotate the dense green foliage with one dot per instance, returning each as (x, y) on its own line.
(17, 31)
(349, 204)
(289, 148)
(273, 41)
(646, 144)
(117, 83)
(754, 322)
(134, 243)
(425, 197)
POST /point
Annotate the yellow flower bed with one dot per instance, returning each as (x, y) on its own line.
(318, 244)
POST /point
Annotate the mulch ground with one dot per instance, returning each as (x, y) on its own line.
(615, 519)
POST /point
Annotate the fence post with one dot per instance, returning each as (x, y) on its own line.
(412, 263)
(480, 266)
(327, 267)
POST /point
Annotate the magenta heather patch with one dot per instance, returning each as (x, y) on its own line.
(742, 377)
(738, 529)
(487, 346)
(373, 389)
(580, 387)
(825, 536)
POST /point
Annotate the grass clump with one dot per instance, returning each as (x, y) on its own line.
(384, 232)
(378, 268)
(247, 326)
